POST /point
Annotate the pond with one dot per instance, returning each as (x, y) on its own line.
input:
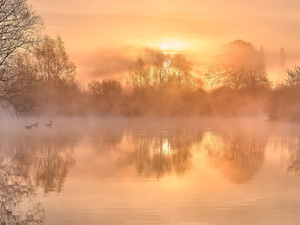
(149, 171)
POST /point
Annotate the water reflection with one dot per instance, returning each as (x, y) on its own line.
(162, 152)
(16, 189)
(106, 138)
(290, 148)
(239, 156)
(105, 185)
(29, 162)
(286, 140)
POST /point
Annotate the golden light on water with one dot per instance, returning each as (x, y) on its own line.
(166, 148)
(164, 112)
(163, 148)
(167, 63)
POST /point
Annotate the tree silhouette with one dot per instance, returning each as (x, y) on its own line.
(51, 75)
(105, 95)
(163, 73)
(263, 56)
(293, 77)
(282, 102)
(19, 28)
(140, 77)
(238, 65)
(162, 85)
(105, 87)
(21, 87)
(282, 63)
(53, 64)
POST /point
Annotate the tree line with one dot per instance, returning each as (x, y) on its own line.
(37, 77)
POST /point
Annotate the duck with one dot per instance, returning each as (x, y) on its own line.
(49, 124)
(28, 127)
(35, 124)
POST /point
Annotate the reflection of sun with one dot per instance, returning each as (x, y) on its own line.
(166, 149)
(167, 63)
(163, 148)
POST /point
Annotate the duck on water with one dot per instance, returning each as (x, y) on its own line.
(28, 127)
(35, 124)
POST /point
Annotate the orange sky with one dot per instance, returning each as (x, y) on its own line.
(95, 32)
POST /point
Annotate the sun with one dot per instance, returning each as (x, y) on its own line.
(171, 44)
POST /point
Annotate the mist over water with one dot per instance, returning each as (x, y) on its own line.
(149, 171)
(188, 123)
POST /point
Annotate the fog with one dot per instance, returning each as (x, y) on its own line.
(85, 159)
(204, 25)
(148, 147)
(139, 112)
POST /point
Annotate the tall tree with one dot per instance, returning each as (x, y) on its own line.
(53, 62)
(263, 56)
(164, 73)
(53, 84)
(140, 76)
(238, 65)
(282, 64)
(19, 29)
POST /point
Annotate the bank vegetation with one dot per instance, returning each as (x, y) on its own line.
(37, 78)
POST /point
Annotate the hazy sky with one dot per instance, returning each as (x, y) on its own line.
(96, 31)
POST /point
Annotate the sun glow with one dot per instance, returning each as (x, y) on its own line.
(171, 44)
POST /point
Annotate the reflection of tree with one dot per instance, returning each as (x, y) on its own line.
(106, 138)
(27, 163)
(289, 146)
(293, 158)
(16, 188)
(48, 159)
(239, 157)
(163, 152)
(52, 166)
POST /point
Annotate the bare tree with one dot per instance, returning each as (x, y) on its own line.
(140, 76)
(166, 72)
(19, 29)
(105, 87)
(20, 85)
(53, 62)
(53, 82)
(238, 65)
(180, 74)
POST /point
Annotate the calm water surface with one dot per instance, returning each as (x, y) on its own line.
(150, 171)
